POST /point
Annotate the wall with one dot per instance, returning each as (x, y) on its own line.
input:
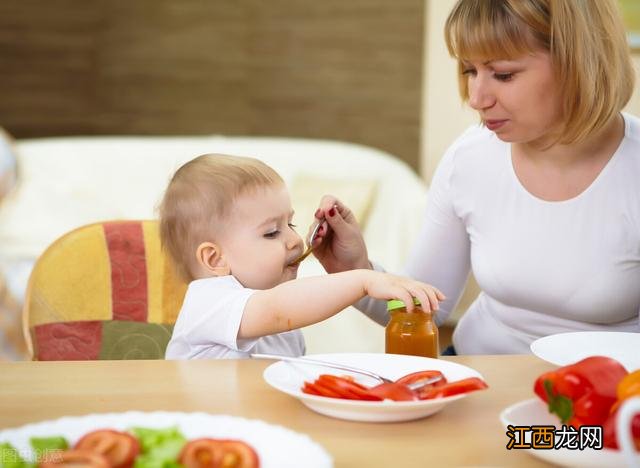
(444, 117)
(321, 69)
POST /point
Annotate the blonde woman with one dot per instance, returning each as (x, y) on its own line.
(542, 200)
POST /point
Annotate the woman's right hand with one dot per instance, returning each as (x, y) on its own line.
(339, 245)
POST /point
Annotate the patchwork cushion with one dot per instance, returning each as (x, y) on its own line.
(103, 291)
(97, 339)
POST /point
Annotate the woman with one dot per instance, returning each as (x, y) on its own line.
(542, 199)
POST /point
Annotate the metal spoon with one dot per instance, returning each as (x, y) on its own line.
(303, 360)
(309, 249)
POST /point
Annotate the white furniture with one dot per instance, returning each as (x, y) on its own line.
(68, 182)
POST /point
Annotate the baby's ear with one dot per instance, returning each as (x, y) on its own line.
(211, 261)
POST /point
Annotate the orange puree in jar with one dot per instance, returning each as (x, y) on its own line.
(411, 332)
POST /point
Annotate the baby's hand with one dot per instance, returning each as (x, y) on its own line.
(387, 286)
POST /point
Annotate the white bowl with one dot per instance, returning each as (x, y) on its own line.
(534, 412)
(567, 348)
(290, 377)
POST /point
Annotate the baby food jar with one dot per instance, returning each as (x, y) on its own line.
(411, 332)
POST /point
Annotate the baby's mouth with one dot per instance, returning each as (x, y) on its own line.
(295, 261)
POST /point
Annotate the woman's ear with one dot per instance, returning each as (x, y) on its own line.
(211, 261)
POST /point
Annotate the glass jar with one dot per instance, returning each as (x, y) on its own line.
(411, 332)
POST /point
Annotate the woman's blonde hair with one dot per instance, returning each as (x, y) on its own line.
(199, 198)
(586, 41)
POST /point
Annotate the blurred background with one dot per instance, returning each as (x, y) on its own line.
(374, 72)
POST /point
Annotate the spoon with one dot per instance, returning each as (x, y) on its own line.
(316, 362)
(309, 249)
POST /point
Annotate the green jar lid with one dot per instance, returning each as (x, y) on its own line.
(397, 303)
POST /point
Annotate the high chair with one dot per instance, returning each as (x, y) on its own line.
(102, 291)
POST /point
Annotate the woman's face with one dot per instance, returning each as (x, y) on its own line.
(517, 98)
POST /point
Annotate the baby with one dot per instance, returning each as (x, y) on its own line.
(226, 222)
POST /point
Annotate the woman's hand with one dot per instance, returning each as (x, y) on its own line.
(339, 245)
(386, 286)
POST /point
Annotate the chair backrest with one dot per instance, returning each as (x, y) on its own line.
(103, 291)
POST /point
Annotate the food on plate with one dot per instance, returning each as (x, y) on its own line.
(338, 387)
(423, 375)
(458, 387)
(345, 387)
(206, 453)
(140, 448)
(581, 393)
(119, 448)
(628, 387)
(590, 392)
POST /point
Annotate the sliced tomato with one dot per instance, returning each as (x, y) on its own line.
(214, 453)
(452, 388)
(311, 389)
(314, 388)
(74, 459)
(393, 391)
(346, 387)
(119, 448)
(423, 375)
(334, 386)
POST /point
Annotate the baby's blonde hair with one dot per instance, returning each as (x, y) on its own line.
(199, 198)
(586, 41)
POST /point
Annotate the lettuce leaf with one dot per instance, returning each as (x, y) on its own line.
(10, 458)
(159, 448)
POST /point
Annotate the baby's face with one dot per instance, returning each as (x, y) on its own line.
(258, 241)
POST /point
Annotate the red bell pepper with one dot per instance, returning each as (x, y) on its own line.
(581, 393)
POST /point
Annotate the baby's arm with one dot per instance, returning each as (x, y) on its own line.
(305, 301)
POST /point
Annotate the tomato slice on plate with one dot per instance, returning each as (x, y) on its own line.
(119, 448)
(314, 388)
(213, 453)
(423, 375)
(334, 386)
(75, 459)
(452, 388)
(393, 391)
(346, 387)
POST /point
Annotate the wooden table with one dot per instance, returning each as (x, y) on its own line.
(466, 433)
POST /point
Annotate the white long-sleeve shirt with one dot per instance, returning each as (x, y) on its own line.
(543, 267)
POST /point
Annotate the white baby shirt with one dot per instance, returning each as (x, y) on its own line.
(209, 321)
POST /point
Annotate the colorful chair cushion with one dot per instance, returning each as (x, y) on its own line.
(103, 291)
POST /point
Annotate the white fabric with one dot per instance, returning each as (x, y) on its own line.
(68, 182)
(209, 320)
(543, 267)
(7, 164)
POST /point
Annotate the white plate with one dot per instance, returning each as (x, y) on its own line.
(276, 446)
(534, 413)
(290, 377)
(567, 348)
